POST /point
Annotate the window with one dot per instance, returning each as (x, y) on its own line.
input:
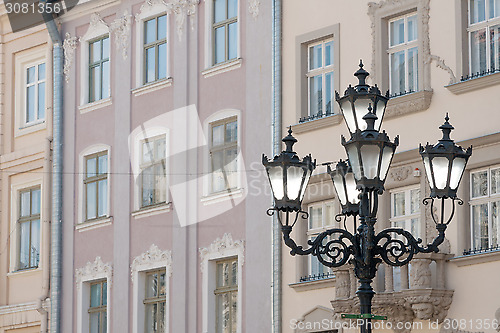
(226, 294)
(484, 36)
(321, 217)
(29, 228)
(96, 185)
(155, 301)
(320, 78)
(98, 307)
(485, 208)
(155, 49)
(403, 54)
(99, 69)
(35, 94)
(225, 30)
(223, 154)
(153, 171)
(405, 210)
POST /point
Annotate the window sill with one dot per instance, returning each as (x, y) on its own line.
(474, 259)
(150, 87)
(24, 272)
(94, 105)
(222, 196)
(30, 128)
(409, 103)
(102, 222)
(150, 211)
(474, 84)
(317, 123)
(313, 285)
(222, 68)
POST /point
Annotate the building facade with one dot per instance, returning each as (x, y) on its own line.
(434, 57)
(25, 178)
(165, 109)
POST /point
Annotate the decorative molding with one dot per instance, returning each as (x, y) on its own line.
(93, 271)
(474, 84)
(69, 46)
(253, 8)
(479, 258)
(400, 174)
(121, 29)
(409, 103)
(222, 68)
(219, 248)
(440, 64)
(182, 9)
(313, 285)
(146, 6)
(152, 87)
(150, 257)
(317, 123)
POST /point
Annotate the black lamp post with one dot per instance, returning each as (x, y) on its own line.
(358, 186)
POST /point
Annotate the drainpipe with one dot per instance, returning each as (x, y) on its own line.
(276, 142)
(57, 168)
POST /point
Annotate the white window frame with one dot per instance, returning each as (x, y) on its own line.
(405, 46)
(487, 199)
(220, 249)
(102, 221)
(16, 189)
(22, 62)
(149, 10)
(321, 71)
(97, 29)
(473, 27)
(152, 259)
(209, 42)
(408, 215)
(91, 272)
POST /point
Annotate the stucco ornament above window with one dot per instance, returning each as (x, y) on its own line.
(93, 271)
(69, 46)
(220, 247)
(182, 9)
(121, 30)
(151, 257)
(253, 8)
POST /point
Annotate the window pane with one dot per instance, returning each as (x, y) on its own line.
(398, 72)
(218, 180)
(160, 148)
(329, 53)
(103, 164)
(397, 32)
(329, 214)
(315, 56)
(41, 72)
(162, 27)
(398, 200)
(149, 31)
(413, 69)
(494, 8)
(30, 104)
(217, 135)
(477, 11)
(148, 180)
(24, 245)
(479, 184)
(25, 203)
(232, 8)
(495, 223)
(31, 75)
(152, 285)
(329, 89)
(41, 100)
(412, 28)
(223, 274)
(35, 202)
(220, 46)
(105, 80)
(103, 197)
(104, 293)
(95, 74)
(150, 64)
(317, 268)
(478, 51)
(495, 47)
(315, 217)
(316, 95)
(161, 317)
(162, 61)
(231, 131)
(35, 243)
(223, 313)
(231, 167)
(162, 289)
(495, 181)
(233, 40)
(91, 167)
(105, 48)
(95, 51)
(234, 311)
(480, 226)
(104, 317)
(219, 10)
(415, 201)
(147, 151)
(95, 295)
(160, 183)
(415, 227)
(151, 313)
(234, 273)
(91, 201)
(94, 322)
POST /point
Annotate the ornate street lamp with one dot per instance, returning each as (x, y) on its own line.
(370, 154)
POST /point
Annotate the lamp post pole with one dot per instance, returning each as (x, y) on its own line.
(358, 183)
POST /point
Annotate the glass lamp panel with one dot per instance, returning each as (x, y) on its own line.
(361, 109)
(440, 168)
(294, 181)
(306, 181)
(352, 192)
(495, 181)
(456, 172)
(370, 156)
(352, 152)
(276, 179)
(386, 162)
(380, 113)
(338, 182)
(346, 107)
(427, 166)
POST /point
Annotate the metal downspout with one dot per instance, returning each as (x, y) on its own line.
(276, 146)
(57, 168)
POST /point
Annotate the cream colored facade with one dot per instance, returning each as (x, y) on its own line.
(451, 285)
(24, 168)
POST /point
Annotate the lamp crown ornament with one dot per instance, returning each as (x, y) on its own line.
(289, 141)
(361, 74)
(370, 118)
